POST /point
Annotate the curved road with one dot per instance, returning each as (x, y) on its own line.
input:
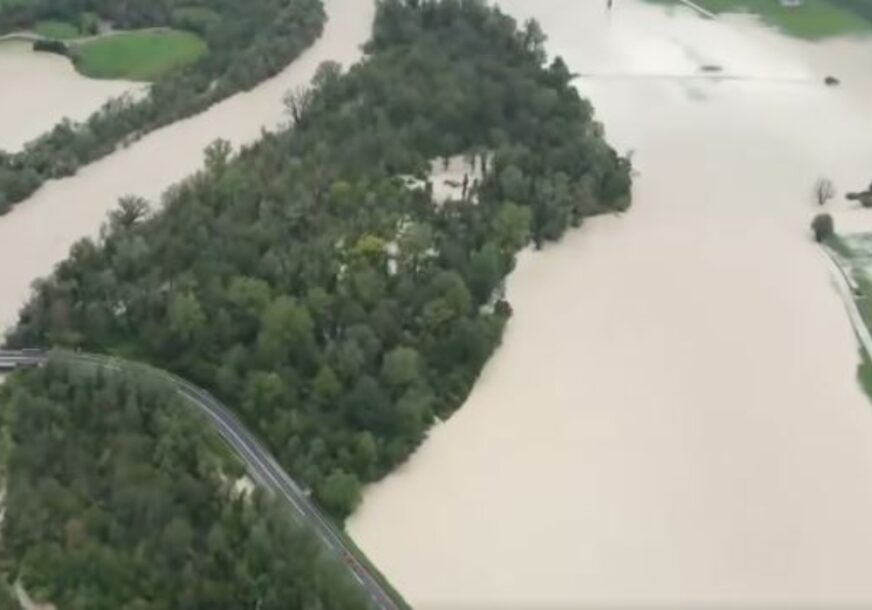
(259, 462)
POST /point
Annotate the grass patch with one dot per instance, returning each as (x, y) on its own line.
(56, 30)
(813, 20)
(138, 55)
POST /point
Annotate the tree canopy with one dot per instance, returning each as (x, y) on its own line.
(120, 498)
(309, 285)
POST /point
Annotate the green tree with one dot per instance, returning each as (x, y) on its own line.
(486, 271)
(415, 243)
(186, 317)
(286, 330)
(130, 210)
(340, 493)
(401, 366)
(823, 227)
(218, 155)
(365, 453)
(326, 386)
(512, 227)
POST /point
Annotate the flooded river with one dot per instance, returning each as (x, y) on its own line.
(40, 89)
(37, 234)
(673, 417)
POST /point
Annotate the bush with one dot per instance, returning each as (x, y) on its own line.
(823, 227)
(51, 46)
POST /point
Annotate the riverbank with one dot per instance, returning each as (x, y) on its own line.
(673, 417)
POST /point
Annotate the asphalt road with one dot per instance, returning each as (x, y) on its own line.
(845, 285)
(260, 463)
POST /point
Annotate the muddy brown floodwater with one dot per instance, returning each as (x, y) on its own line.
(38, 233)
(673, 417)
(40, 89)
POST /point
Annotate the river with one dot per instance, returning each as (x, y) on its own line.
(44, 88)
(673, 417)
(38, 233)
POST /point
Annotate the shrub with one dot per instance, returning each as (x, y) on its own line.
(823, 227)
(51, 46)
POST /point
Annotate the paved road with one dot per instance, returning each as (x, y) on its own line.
(844, 283)
(260, 463)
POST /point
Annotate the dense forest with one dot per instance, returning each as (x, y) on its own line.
(308, 285)
(117, 497)
(248, 42)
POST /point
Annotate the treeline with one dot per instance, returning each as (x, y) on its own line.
(248, 42)
(117, 497)
(339, 310)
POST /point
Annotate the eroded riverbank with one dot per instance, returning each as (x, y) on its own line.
(673, 417)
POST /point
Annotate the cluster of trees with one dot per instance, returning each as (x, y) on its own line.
(248, 42)
(864, 197)
(306, 284)
(119, 498)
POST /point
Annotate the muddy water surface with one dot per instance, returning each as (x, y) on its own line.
(40, 89)
(673, 417)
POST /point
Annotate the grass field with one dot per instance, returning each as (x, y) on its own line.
(138, 55)
(813, 20)
(58, 30)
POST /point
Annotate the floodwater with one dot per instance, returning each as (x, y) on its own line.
(38, 233)
(41, 89)
(673, 417)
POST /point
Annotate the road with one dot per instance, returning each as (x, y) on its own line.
(260, 463)
(844, 283)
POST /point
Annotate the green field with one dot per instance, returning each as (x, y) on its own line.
(58, 30)
(138, 55)
(813, 20)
